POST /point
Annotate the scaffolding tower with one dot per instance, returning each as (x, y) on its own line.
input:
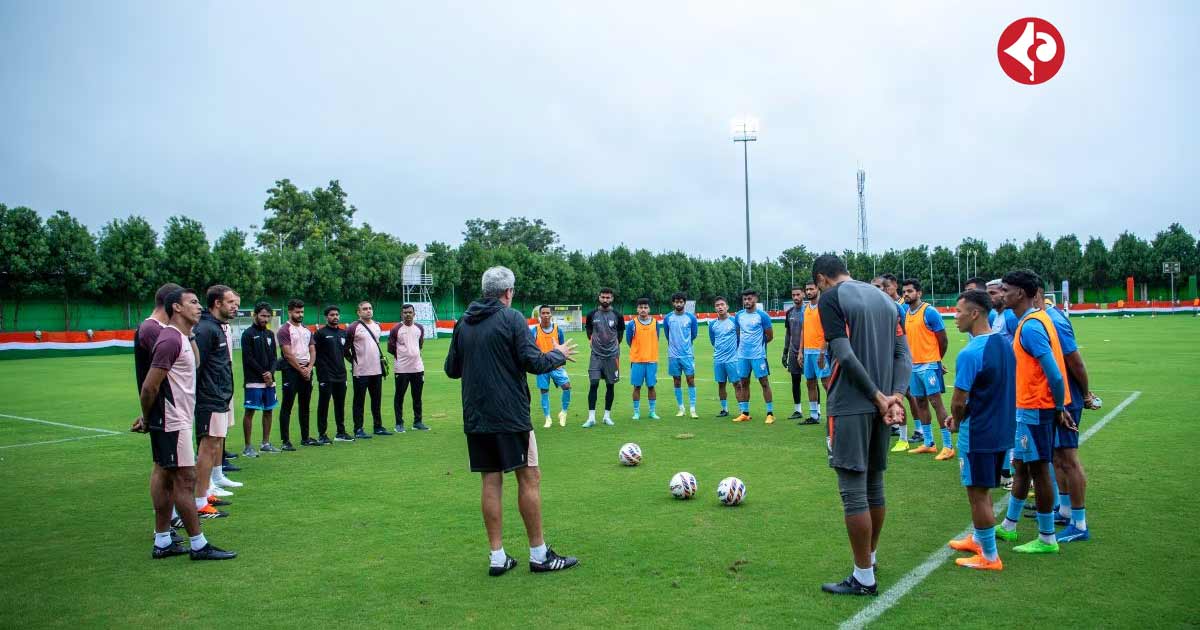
(863, 245)
(417, 283)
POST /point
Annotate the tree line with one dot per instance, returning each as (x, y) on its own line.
(309, 246)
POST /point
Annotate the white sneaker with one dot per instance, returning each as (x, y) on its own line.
(679, 414)
(219, 491)
(549, 423)
(562, 418)
(608, 421)
(226, 482)
(694, 414)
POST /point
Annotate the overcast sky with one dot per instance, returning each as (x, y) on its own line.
(608, 120)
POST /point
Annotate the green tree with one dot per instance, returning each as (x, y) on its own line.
(1132, 256)
(491, 233)
(1094, 265)
(23, 253)
(1175, 244)
(236, 266)
(1067, 259)
(1006, 258)
(129, 262)
(290, 220)
(798, 261)
(974, 259)
(71, 261)
(945, 274)
(1038, 254)
(186, 256)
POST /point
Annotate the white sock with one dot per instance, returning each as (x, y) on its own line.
(872, 559)
(162, 540)
(174, 513)
(498, 557)
(1006, 525)
(1049, 539)
(216, 475)
(607, 414)
(904, 432)
(1081, 524)
(592, 415)
(1064, 511)
(866, 576)
(799, 406)
(814, 408)
(198, 541)
(538, 553)
(201, 502)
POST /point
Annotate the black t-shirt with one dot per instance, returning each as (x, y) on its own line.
(331, 364)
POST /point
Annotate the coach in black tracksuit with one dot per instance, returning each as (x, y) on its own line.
(329, 345)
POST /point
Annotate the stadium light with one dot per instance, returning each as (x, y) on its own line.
(745, 130)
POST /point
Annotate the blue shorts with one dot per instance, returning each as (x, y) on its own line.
(558, 375)
(261, 398)
(727, 372)
(1035, 441)
(927, 382)
(758, 367)
(643, 373)
(1064, 438)
(811, 370)
(981, 470)
(681, 366)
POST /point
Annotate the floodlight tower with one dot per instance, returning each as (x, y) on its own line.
(745, 130)
(863, 246)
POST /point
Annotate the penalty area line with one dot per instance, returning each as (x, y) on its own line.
(911, 579)
(72, 439)
(60, 424)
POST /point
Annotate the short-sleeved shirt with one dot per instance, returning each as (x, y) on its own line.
(868, 317)
(794, 324)
(298, 339)
(175, 406)
(144, 339)
(680, 331)
(606, 329)
(330, 344)
(987, 370)
(723, 334)
(1066, 341)
(752, 329)
(408, 348)
(366, 348)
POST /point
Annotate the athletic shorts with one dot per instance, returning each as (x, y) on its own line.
(212, 423)
(726, 372)
(1035, 441)
(261, 398)
(501, 452)
(858, 442)
(1065, 438)
(173, 449)
(981, 470)
(927, 382)
(557, 375)
(599, 368)
(795, 363)
(757, 367)
(643, 374)
(811, 370)
(681, 366)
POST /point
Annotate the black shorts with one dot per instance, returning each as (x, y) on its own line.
(858, 442)
(607, 369)
(172, 449)
(501, 452)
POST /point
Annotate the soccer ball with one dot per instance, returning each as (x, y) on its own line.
(630, 454)
(683, 485)
(731, 491)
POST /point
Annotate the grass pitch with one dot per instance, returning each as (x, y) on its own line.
(387, 532)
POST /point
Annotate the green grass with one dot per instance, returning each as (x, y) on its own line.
(387, 532)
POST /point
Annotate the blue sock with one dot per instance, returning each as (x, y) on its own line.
(927, 433)
(566, 399)
(770, 407)
(1079, 518)
(1045, 521)
(692, 396)
(987, 541)
(744, 407)
(946, 439)
(546, 403)
(724, 404)
(637, 407)
(679, 396)
(1015, 506)
(653, 404)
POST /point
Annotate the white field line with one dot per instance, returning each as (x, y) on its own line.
(84, 437)
(910, 580)
(59, 424)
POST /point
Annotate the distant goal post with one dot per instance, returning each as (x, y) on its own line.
(245, 319)
(569, 317)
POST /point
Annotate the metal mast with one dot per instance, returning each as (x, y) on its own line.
(863, 245)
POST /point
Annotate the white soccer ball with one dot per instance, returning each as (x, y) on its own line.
(630, 454)
(731, 491)
(683, 485)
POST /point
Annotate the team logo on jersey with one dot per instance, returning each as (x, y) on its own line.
(1031, 51)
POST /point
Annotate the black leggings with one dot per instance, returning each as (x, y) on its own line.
(797, 379)
(403, 380)
(594, 389)
(362, 385)
(294, 385)
(336, 391)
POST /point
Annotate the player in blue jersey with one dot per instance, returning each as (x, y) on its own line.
(754, 333)
(996, 318)
(723, 335)
(983, 412)
(680, 329)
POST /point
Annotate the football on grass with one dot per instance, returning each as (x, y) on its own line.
(683, 485)
(630, 454)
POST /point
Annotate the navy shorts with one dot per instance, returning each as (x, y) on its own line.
(261, 398)
(981, 470)
(1035, 441)
(1065, 438)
